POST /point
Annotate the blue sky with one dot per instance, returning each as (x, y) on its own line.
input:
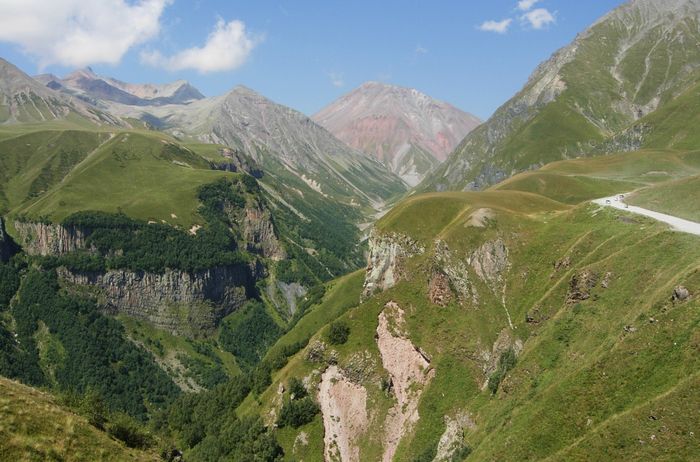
(303, 54)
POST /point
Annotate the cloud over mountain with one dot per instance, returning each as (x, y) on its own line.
(77, 33)
(227, 47)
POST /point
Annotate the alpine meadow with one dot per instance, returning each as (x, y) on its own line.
(381, 277)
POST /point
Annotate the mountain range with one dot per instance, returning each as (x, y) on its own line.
(225, 278)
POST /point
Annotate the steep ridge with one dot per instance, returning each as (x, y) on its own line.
(98, 90)
(23, 100)
(281, 140)
(404, 129)
(630, 63)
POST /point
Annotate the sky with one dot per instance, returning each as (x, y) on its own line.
(475, 54)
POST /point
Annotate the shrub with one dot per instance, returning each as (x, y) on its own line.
(338, 333)
(506, 362)
(297, 412)
(297, 390)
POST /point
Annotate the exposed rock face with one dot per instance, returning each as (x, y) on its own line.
(439, 292)
(451, 440)
(259, 234)
(238, 162)
(183, 303)
(344, 408)
(490, 358)
(456, 271)
(49, 239)
(386, 252)
(410, 375)
(490, 262)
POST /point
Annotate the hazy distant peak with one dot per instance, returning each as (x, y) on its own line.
(406, 129)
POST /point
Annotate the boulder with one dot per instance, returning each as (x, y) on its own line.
(680, 294)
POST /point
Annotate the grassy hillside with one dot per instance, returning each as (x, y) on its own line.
(602, 352)
(146, 176)
(34, 427)
(679, 198)
(578, 180)
(627, 82)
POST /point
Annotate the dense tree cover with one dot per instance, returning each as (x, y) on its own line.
(98, 356)
(125, 243)
(207, 425)
(249, 333)
(296, 387)
(9, 281)
(297, 412)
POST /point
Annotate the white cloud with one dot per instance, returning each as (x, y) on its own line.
(421, 50)
(539, 18)
(337, 79)
(79, 32)
(227, 47)
(526, 5)
(500, 27)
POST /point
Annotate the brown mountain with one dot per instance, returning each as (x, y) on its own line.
(405, 129)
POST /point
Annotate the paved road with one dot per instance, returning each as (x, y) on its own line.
(676, 223)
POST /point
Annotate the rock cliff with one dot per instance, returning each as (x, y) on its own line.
(180, 302)
(49, 239)
(386, 252)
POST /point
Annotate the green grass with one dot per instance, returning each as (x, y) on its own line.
(34, 427)
(679, 198)
(583, 388)
(341, 294)
(143, 175)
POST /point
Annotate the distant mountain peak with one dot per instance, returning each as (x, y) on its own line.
(403, 128)
(87, 84)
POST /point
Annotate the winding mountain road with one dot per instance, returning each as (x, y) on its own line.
(676, 223)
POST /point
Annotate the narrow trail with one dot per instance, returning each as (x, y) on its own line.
(676, 223)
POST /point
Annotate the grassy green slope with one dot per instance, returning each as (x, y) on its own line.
(633, 63)
(144, 175)
(679, 198)
(34, 427)
(578, 180)
(591, 372)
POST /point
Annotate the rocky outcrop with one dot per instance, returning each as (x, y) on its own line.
(680, 294)
(180, 302)
(490, 358)
(409, 371)
(49, 239)
(490, 262)
(344, 409)
(386, 253)
(455, 269)
(581, 285)
(259, 234)
(451, 442)
(237, 162)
